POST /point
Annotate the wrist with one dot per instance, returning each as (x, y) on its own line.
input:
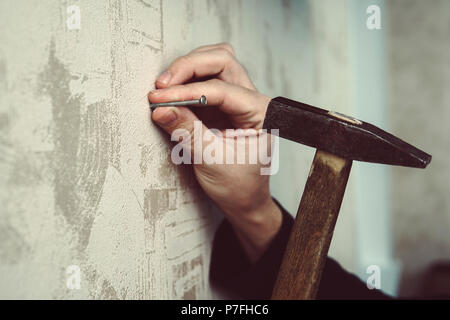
(257, 228)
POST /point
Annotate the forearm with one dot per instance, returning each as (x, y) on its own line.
(233, 272)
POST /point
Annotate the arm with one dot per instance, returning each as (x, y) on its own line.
(236, 276)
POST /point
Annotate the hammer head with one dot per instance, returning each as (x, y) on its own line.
(341, 135)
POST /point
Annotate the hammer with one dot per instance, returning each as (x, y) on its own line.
(339, 139)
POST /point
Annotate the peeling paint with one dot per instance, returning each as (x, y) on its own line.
(107, 291)
(13, 247)
(82, 141)
(54, 81)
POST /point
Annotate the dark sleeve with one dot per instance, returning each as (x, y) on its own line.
(236, 277)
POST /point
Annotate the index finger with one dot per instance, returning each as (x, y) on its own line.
(229, 98)
(222, 45)
(217, 62)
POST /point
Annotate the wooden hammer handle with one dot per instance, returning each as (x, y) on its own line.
(306, 252)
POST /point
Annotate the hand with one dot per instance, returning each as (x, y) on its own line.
(238, 189)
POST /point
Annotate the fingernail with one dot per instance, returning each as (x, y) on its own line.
(168, 117)
(165, 77)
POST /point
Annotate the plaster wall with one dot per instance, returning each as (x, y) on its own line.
(86, 179)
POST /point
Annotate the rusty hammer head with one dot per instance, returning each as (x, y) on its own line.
(339, 140)
(341, 135)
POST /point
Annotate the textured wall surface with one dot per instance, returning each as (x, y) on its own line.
(86, 177)
(419, 82)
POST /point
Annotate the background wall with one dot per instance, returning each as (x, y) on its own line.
(419, 109)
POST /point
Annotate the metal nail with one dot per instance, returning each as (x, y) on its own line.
(202, 101)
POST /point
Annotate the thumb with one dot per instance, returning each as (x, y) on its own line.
(173, 118)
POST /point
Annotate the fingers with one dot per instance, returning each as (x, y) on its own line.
(222, 45)
(172, 118)
(246, 107)
(230, 98)
(196, 65)
(216, 60)
(180, 122)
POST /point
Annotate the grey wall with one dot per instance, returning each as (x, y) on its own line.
(419, 98)
(86, 177)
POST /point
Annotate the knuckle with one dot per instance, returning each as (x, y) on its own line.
(180, 61)
(201, 48)
(227, 57)
(228, 47)
(226, 54)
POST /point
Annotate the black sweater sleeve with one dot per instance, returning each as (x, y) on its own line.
(236, 277)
